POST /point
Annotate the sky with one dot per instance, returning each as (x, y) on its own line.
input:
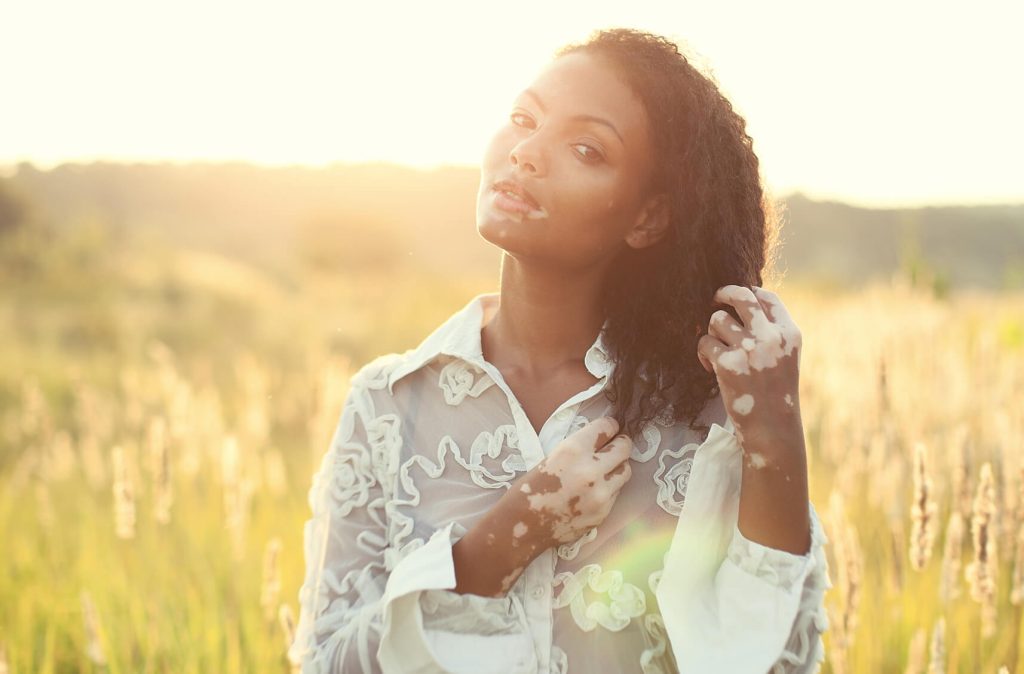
(881, 104)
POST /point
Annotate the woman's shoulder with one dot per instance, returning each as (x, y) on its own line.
(382, 373)
(376, 373)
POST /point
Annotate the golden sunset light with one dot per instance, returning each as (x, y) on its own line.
(873, 103)
(574, 337)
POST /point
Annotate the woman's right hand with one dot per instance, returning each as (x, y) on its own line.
(573, 488)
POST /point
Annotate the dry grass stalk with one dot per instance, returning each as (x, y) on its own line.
(848, 563)
(160, 469)
(961, 488)
(1017, 580)
(937, 652)
(896, 544)
(124, 496)
(271, 587)
(952, 551)
(237, 495)
(915, 654)
(287, 620)
(1017, 576)
(981, 572)
(923, 512)
(93, 647)
(255, 381)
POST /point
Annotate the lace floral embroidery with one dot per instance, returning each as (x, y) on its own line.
(486, 444)
(351, 480)
(459, 379)
(626, 600)
(490, 445)
(672, 480)
(652, 441)
(653, 658)
(384, 436)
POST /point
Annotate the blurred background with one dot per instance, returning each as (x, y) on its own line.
(212, 214)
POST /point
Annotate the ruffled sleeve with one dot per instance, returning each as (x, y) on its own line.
(427, 627)
(789, 572)
(729, 603)
(365, 607)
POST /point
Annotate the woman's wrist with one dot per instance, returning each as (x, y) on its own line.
(492, 555)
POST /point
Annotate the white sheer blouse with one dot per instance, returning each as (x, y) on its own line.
(426, 444)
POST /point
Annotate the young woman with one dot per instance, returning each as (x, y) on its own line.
(601, 467)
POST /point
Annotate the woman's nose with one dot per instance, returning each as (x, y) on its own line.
(527, 156)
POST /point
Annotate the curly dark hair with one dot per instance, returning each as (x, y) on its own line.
(723, 230)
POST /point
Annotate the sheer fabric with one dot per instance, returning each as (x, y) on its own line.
(429, 440)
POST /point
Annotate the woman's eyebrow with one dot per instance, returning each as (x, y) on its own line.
(587, 118)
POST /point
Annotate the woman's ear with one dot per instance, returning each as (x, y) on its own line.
(651, 224)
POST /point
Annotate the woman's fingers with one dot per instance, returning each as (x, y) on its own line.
(709, 347)
(619, 476)
(597, 433)
(743, 299)
(726, 328)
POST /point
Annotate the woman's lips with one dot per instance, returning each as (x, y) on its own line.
(517, 206)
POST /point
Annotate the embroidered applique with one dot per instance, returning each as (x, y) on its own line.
(672, 480)
(459, 379)
(625, 600)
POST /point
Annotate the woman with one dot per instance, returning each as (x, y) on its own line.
(551, 481)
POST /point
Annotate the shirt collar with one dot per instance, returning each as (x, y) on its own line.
(459, 336)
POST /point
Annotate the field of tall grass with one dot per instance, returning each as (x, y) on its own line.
(154, 472)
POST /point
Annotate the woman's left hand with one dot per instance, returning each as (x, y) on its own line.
(757, 363)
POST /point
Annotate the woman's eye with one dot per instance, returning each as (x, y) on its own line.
(517, 114)
(591, 156)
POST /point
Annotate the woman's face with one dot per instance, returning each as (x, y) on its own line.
(577, 140)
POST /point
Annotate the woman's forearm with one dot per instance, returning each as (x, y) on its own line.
(493, 553)
(773, 509)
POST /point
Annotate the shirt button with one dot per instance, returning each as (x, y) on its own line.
(538, 591)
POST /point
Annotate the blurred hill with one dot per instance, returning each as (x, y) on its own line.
(371, 216)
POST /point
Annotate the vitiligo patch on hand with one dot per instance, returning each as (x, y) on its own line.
(734, 361)
(743, 404)
(757, 460)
